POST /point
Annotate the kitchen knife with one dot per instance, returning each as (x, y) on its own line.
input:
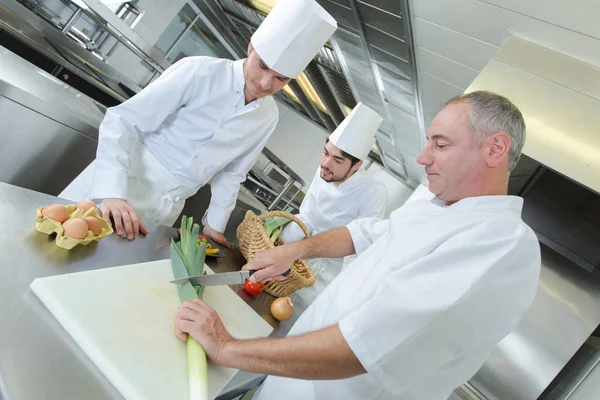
(223, 278)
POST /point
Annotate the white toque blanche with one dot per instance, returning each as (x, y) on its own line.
(292, 34)
(356, 134)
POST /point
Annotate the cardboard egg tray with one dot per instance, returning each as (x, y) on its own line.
(50, 226)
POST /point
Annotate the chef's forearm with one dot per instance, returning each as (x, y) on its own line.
(323, 354)
(334, 243)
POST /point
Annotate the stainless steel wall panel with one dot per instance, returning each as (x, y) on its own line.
(391, 6)
(384, 21)
(399, 98)
(39, 153)
(391, 62)
(345, 3)
(392, 78)
(343, 14)
(383, 41)
(415, 173)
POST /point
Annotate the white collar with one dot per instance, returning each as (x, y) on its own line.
(505, 202)
(238, 72)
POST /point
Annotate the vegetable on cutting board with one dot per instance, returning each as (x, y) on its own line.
(282, 308)
(209, 249)
(187, 259)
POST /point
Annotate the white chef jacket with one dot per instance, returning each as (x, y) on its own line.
(327, 206)
(194, 121)
(432, 291)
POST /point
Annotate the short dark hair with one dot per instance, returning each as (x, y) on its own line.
(353, 160)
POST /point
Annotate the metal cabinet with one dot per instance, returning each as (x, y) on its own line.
(38, 153)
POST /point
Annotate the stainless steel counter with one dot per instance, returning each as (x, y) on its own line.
(38, 358)
(49, 130)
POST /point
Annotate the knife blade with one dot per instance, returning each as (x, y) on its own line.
(223, 278)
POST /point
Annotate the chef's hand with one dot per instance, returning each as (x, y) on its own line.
(199, 320)
(217, 237)
(270, 264)
(125, 217)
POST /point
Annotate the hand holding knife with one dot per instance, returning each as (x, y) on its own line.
(223, 278)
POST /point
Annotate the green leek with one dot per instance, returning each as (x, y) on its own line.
(274, 225)
(187, 259)
(276, 234)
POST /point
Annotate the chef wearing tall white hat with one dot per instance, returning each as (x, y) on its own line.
(203, 120)
(340, 192)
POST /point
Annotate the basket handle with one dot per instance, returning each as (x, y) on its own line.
(289, 216)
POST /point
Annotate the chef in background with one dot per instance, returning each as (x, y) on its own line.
(340, 192)
(433, 290)
(203, 120)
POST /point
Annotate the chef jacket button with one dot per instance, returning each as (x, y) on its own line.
(195, 155)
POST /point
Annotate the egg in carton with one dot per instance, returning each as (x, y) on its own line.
(49, 226)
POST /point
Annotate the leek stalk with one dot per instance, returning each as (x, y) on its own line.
(274, 225)
(187, 259)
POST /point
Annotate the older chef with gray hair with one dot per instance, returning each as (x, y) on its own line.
(203, 120)
(340, 192)
(434, 288)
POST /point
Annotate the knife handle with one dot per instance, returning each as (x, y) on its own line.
(252, 271)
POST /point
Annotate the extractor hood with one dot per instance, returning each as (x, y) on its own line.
(559, 97)
(559, 173)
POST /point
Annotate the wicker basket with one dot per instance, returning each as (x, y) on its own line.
(253, 238)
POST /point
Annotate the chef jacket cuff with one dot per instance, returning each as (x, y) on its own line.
(359, 237)
(351, 331)
(216, 217)
(109, 184)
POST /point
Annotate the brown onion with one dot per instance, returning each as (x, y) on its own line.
(282, 308)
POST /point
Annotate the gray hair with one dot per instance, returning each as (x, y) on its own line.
(490, 113)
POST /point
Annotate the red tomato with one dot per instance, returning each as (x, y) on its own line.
(253, 288)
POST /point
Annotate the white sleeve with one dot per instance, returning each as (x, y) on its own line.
(429, 313)
(292, 232)
(374, 202)
(225, 185)
(366, 231)
(142, 113)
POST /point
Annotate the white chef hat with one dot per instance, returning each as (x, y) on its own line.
(292, 34)
(356, 134)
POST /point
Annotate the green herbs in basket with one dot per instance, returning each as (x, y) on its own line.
(275, 225)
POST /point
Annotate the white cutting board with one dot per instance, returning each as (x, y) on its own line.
(123, 319)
